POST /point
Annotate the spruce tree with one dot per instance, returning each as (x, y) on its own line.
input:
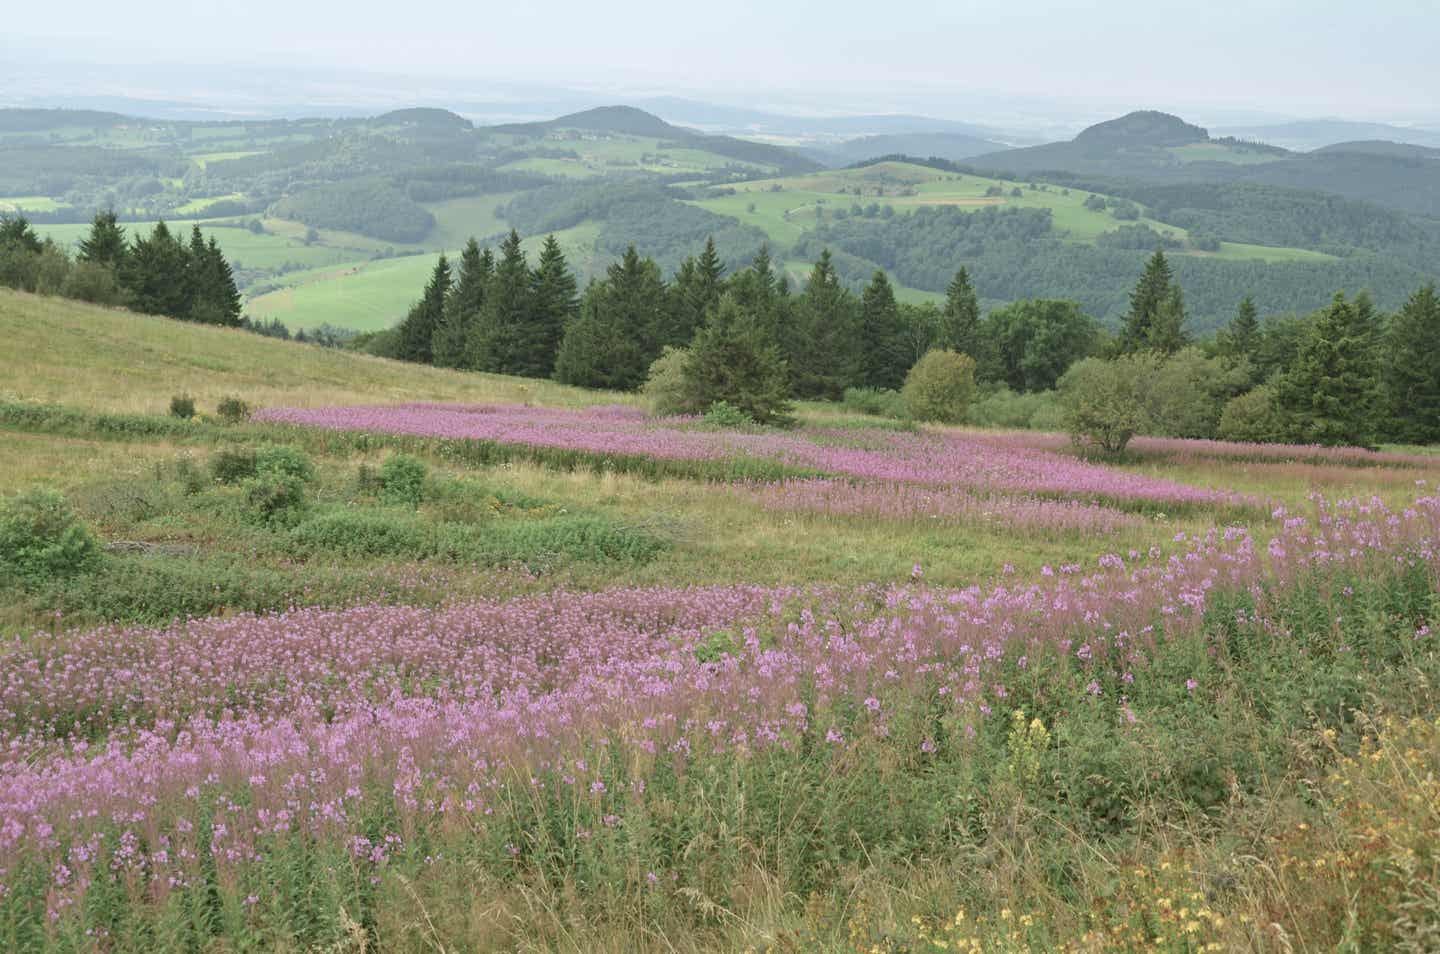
(1151, 294)
(1328, 396)
(1241, 337)
(960, 330)
(154, 273)
(16, 233)
(497, 342)
(1166, 333)
(820, 340)
(882, 362)
(105, 245)
(697, 288)
(215, 300)
(758, 291)
(417, 331)
(734, 359)
(450, 345)
(553, 304)
(597, 350)
(1412, 382)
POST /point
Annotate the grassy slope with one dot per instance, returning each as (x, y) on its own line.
(109, 359)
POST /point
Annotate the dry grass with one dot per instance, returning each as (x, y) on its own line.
(109, 359)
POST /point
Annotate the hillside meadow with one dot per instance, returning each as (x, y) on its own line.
(407, 659)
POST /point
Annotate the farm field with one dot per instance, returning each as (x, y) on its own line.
(515, 666)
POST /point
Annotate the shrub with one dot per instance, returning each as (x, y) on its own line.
(41, 538)
(940, 387)
(723, 414)
(402, 480)
(284, 460)
(231, 465)
(1252, 417)
(1104, 401)
(182, 406)
(363, 533)
(232, 410)
(665, 384)
(275, 498)
(882, 402)
(1006, 408)
(1184, 394)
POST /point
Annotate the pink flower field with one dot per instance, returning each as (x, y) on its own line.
(315, 723)
(937, 459)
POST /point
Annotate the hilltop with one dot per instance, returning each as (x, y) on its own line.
(1156, 146)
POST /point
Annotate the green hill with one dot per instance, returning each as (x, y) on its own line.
(1160, 147)
(81, 355)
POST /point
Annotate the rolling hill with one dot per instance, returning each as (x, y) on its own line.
(630, 121)
(1310, 134)
(1160, 147)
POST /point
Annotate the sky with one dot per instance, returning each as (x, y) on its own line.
(1301, 57)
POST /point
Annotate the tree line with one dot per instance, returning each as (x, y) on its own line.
(1346, 374)
(157, 274)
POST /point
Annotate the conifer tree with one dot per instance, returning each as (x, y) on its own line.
(1328, 396)
(820, 339)
(758, 291)
(154, 274)
(497, 342)
(15, 232)
(214, 298)
(598, 351)
(1242, 335)
(734, 359)
(960, 329)
(1150, 296)
(881, 349)
(1413, 369)
(553, 304)
(417, 331)
(1166, 333)
(451, 342)
(105, 245)
(697, 288)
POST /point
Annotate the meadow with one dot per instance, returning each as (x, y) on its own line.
(523, 668)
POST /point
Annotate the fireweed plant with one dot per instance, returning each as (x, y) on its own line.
(268, 778)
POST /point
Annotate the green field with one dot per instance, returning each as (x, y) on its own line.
(786, 208)
(28, 203)
(370, 295)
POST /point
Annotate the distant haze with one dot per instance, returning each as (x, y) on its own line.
(1221, 59)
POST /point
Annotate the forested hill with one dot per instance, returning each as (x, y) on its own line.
(629, 121)
(1157, 146)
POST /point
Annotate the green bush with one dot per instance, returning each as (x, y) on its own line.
(940, 387)
(41, 538)
(1036, 410)
(402, 480)
(231, 465)
(364, 533)
(665, 384)
(284, 460)
(275, 498)
(881, 402)
(1104, 401)
(182, 406)
(1252, 417)
(723, 414)
(232, 410)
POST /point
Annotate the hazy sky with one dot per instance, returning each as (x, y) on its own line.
(1318, 57)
